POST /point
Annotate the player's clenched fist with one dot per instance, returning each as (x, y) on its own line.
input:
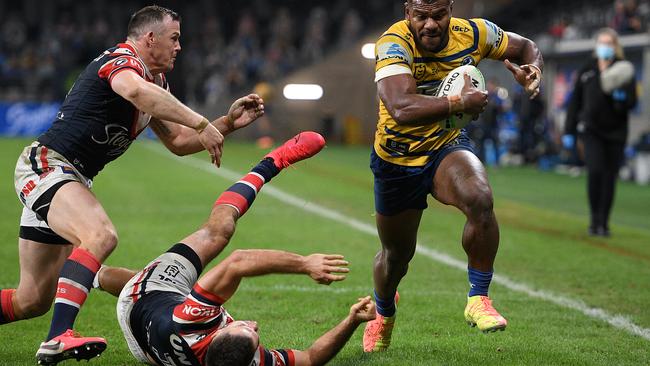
(474, 100)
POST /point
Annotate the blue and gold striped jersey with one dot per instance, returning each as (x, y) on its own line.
(397, 53)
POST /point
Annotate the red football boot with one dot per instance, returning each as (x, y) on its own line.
(69, 345)
(302, 146)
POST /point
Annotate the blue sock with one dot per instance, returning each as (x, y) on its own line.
(479, 282)
(266, 169)
(385, 308)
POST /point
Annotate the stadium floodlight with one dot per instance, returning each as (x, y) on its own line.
(302, 91)
(368, 51)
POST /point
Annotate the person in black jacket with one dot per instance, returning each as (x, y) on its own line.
(598, 112)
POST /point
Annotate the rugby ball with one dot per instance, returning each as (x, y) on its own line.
(452, 84)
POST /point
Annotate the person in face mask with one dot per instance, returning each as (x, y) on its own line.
(598, 115)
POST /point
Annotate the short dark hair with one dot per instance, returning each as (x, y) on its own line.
(410, 2)
(230, 350)
(148, 15)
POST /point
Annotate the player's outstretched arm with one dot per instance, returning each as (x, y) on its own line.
(184, 141)
(330, 343)
(223, 280)
(526, 54)
(162, 105)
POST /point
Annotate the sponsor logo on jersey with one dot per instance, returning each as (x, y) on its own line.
(177, 345)
(386, 51)
(27, 189)
(116, 138)
(495, 34)
(400, 147)
(198, 311)
(458, 28)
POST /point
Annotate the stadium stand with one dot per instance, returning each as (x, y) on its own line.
(44, 44)
(228, 52)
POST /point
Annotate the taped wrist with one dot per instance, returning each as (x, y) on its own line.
(456, 103)
(204, 123)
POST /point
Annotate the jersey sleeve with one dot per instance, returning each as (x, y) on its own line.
(201, 310)
(274, 357)
(119, 64)
(493, 40)
(393, 55)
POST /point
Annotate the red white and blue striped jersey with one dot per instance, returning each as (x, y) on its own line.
(177, 330)
(95, 125)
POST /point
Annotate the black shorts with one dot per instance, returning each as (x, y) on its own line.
(399, 188)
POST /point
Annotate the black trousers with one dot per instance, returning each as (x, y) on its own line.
(603, 159)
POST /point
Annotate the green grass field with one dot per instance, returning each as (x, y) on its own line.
(570, 299)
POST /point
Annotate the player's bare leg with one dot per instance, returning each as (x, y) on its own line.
(208, 241)
(461, 181)
(76, 215)
(211, 238)
(40, 265)
(215, 234)
(398, 235)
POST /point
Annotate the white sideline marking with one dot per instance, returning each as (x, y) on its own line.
(356, 290)
(615, 320)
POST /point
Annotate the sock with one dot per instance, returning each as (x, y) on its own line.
(385, 308)
(6, 306)
(75, 281)
(242, 194)
(479, 282)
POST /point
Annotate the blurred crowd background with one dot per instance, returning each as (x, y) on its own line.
(231, 48)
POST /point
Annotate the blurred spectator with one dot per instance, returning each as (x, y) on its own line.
(626, 19)
(351, 28)
(43, 44)
(485, 132)
(532, 128)
(313, 44)
(598, 113)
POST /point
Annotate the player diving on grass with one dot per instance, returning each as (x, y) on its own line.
(65, 233)
(414, 156)
(170, 316)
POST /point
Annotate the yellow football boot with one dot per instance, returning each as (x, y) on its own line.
(480, 313)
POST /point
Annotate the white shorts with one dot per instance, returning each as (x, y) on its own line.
(171, 272)
(39, 173)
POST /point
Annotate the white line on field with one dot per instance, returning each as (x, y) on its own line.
(617, 321)
(334, 288)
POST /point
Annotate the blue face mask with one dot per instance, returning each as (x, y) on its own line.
(605, 52)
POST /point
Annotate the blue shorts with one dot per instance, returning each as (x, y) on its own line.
(399, 188)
